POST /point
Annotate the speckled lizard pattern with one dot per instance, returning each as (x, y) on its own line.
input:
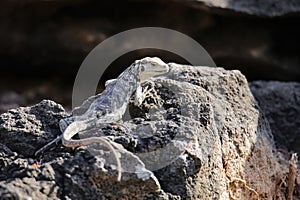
(110, 106)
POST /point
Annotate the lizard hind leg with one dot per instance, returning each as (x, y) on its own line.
(48, 146)
(64, 123)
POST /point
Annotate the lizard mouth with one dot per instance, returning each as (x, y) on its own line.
(157, 71)
(164, 69)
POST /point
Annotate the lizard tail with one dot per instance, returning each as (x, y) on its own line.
(78, 126)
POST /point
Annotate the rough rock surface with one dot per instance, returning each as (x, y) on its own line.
(201, 132)
(269, 8)
(26, 128)
(280, 102)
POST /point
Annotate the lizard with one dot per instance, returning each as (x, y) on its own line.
(110, 105)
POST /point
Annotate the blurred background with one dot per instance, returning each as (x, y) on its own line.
(43, 42)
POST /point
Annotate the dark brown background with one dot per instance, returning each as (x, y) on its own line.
(44, 42)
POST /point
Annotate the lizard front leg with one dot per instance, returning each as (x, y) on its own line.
(63, 124)
(142, 93)
(110, 81)
(139, 97)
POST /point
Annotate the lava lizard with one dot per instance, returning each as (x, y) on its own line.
(110, 105)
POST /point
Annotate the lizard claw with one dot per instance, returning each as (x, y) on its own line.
(150, 93)
(146, 92)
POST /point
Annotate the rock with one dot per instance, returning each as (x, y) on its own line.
(270, 8)
(26, 188)
(233, 139)
(280, 101)
(26, 128)
(200, 131)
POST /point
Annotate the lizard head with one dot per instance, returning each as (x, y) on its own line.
(151, 66)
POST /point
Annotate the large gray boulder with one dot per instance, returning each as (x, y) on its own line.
(270, 8)
(280, 101)
(199, 135)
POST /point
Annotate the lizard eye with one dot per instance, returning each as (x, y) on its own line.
(142, 68)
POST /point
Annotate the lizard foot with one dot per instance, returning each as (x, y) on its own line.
(151, 93)
(147, 92)
(48, 146)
